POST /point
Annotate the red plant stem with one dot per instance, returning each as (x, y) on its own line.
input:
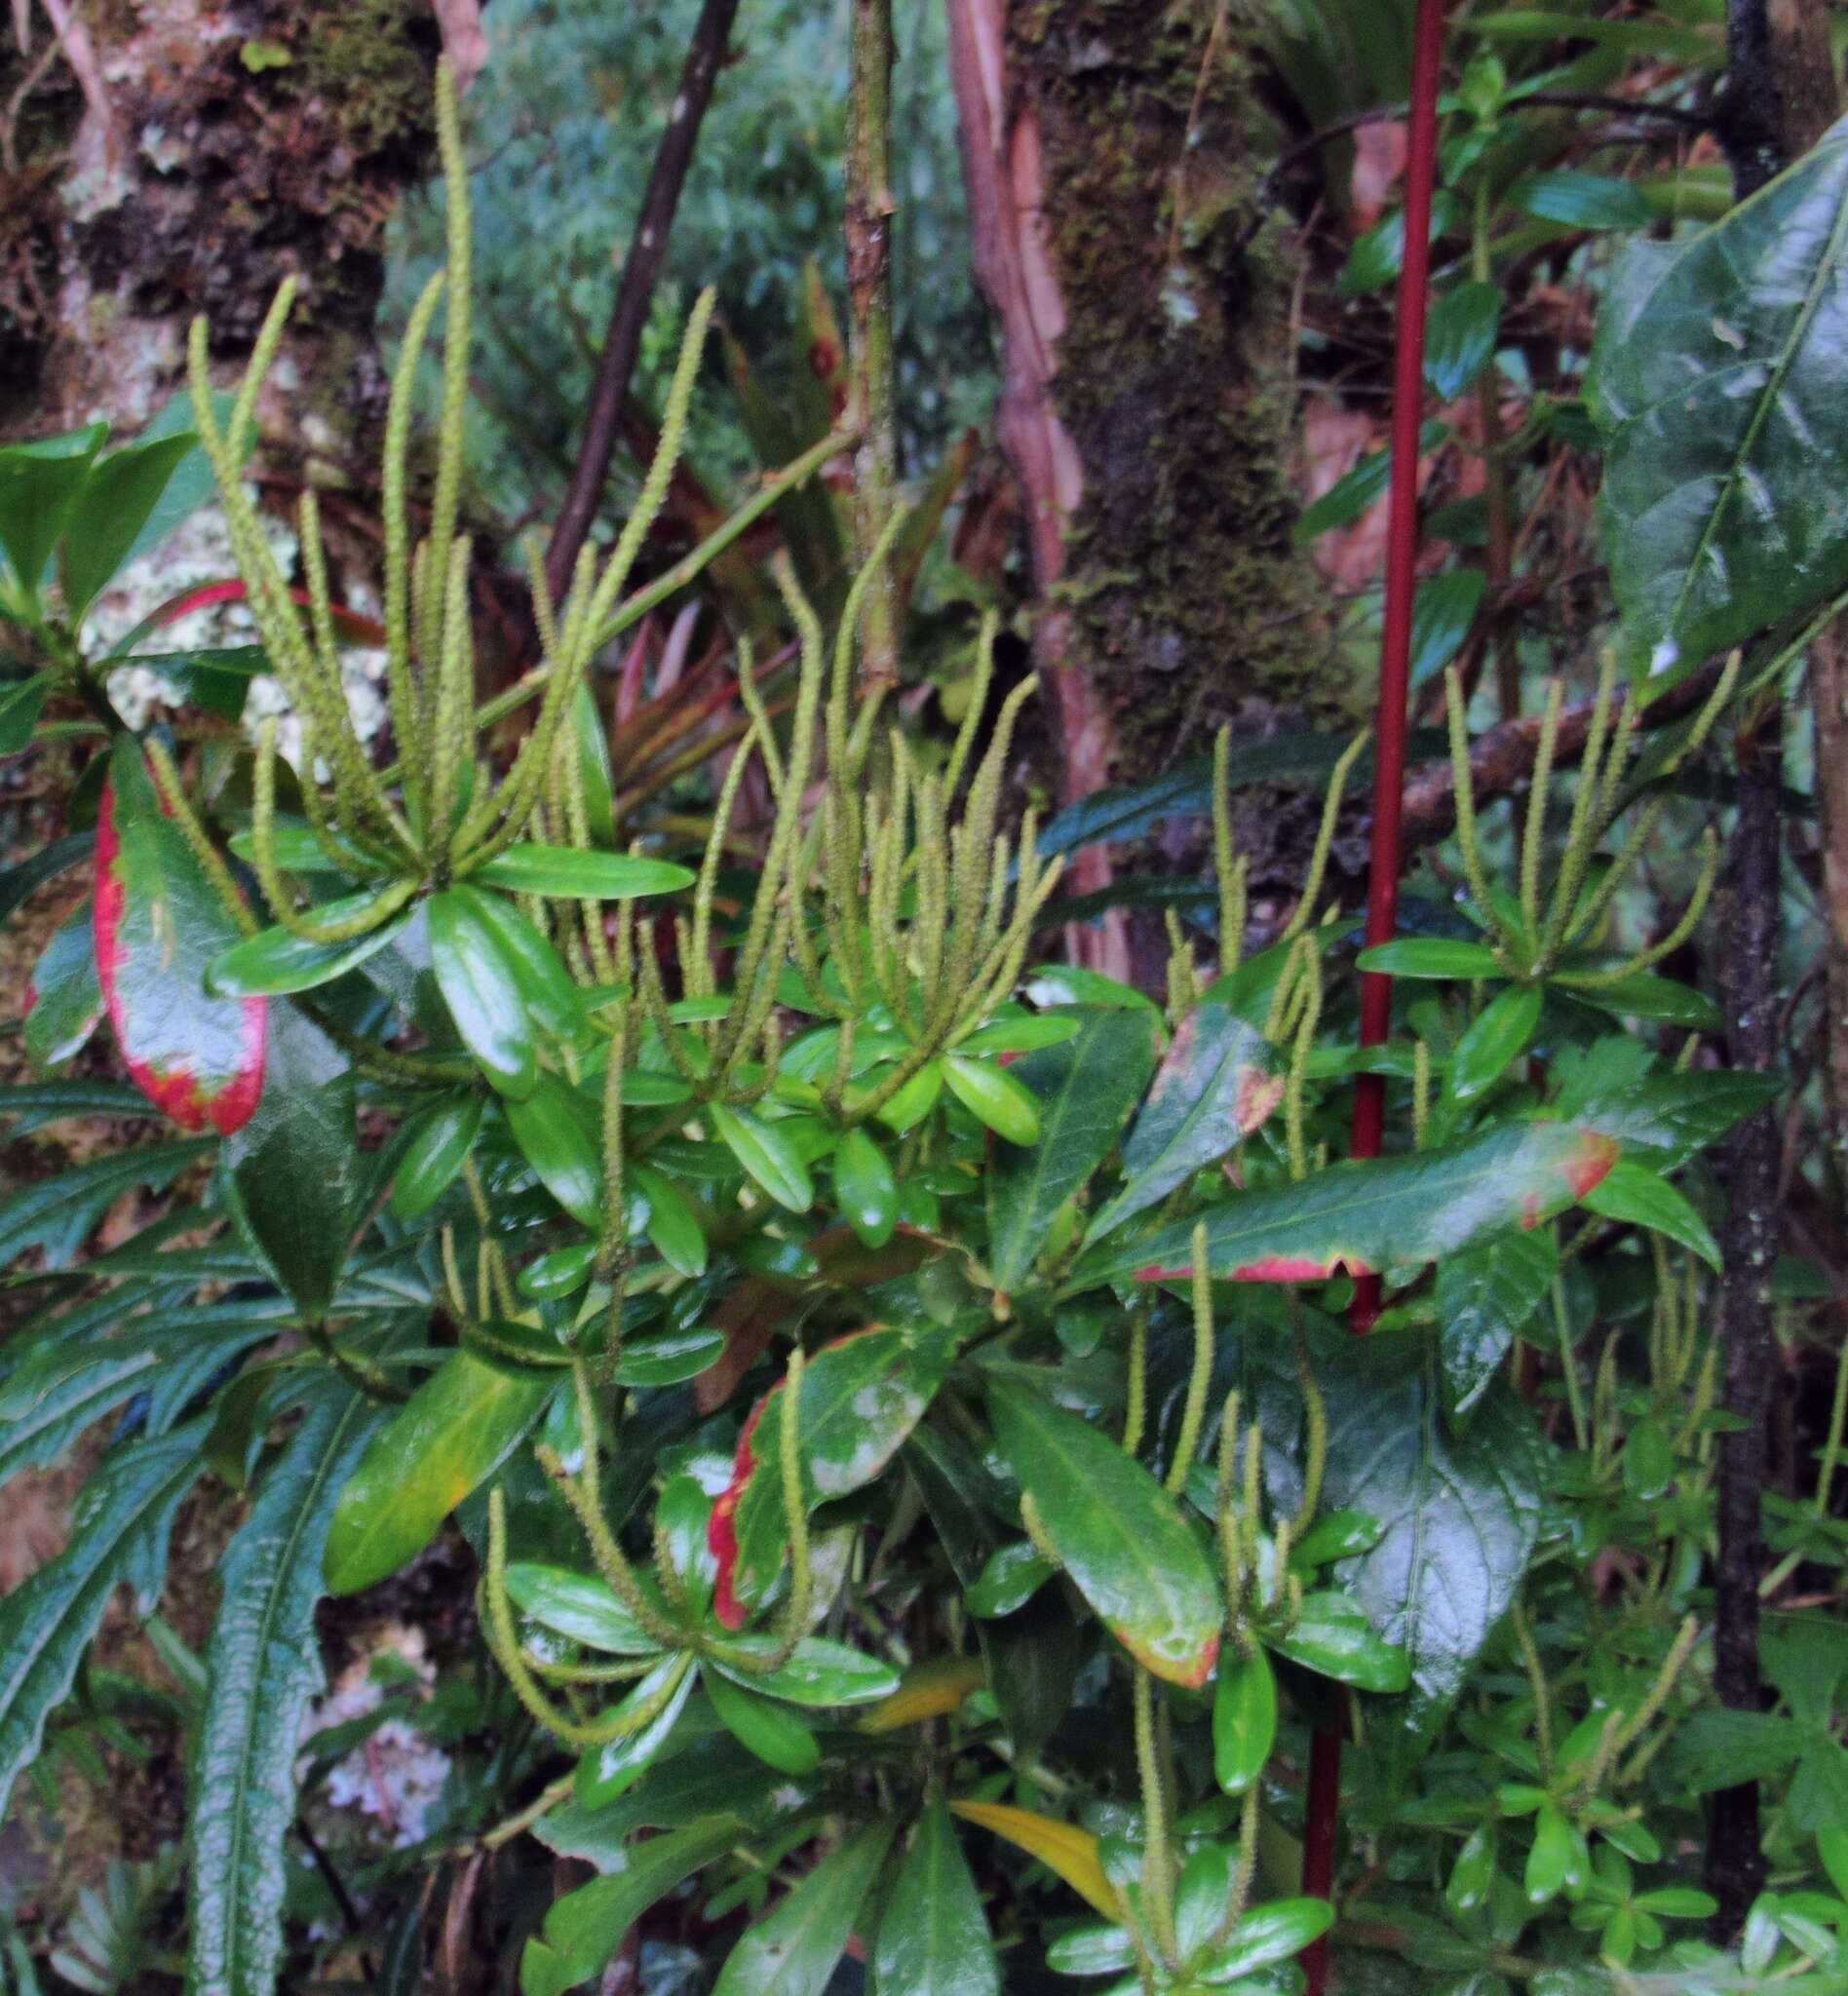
(1389, 779)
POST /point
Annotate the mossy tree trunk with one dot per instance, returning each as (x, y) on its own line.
(175, 158)
(1115, 154)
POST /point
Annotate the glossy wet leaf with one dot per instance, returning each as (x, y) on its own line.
(1118, 1534)
(1244, 1719)
(1061, 1847)
(671, 1222)
(767, 1155)
(1645, 995)
(571, 873)
(992, 1095)
(1384, 1213)
(554, 1002)
(1484, 1300)
(1272, 1932)
(1086, 1087)
(613, 1767)
(793, 1950)
(555, 1131)
(1216, 1082)
(933, 1938)
(263, 1668)
(441, 1141)
(273, 962)
(64, 1001)
(666, 1357)
(867, 1192)
(1635, 1196)
(860, 1398)
(446, 1440)
(819, 1671)
(1582, 200)
(1459, 1514)
(1551, 1858)
(482, 992)
(761, 1726)
(158, 923)
(1715, 383)
(577, 1605)
(296, 1166)
(1013, 1575)
(1672, 1115)
(1497, 1037)
(1333, 1638)
(1473, 1875)
(121, 491)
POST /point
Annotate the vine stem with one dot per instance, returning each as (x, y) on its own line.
(1389, 779)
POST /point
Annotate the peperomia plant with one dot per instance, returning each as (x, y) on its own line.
(893, 1390)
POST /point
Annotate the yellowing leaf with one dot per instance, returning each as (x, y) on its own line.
(928, 1692)
(1061, 1847)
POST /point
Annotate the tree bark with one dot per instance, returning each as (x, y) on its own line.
(1114, 193)
(1777, 99)
(183, 158)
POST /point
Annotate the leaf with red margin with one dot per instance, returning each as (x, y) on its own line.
(159, 923)
(862, 1396)
(1382, 1214)
(1119, 1535)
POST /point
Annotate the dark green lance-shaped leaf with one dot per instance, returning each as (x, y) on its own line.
(573, 875)
(593, 752)
(1460, 336)
(1441, 615)
(39, 1102)
(273, 962)
(1378, 1215)
(1011, 1577)
(553, 1131)
(263, 1668)
(120, 492)
(860, 1398)
(793, 1949)
(64, 1001)
(296, 1166)
(1332, 1637)
(1085, 1088)
(56, 1394)
(441, 1139)
(1244, 1720)
(1117, 1533)
(445, 1441)
(554, 1002)
(1497, 1037)
(666, 1357)
(1672, 1115)
(762, 1727)
(1485, 1298)
(1218, 1082)
(39, 486)
(766, 1154)
(585, 1928)
(1645, 995)
(1716, 387)
(20, 704)
(1638, 1197)
(1431, 956)
(933, 1938)
(1459, 1514)
(1344, 502)
(120, 1532)
(867, 1192)
(19, 883)
(215, 678)
(992, 1095)
(671, 1221)
(483, 990)
(159, 922)
(57, 1214)
(1582, 200)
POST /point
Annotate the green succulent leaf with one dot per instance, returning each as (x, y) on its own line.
(273, 962)
(992, 1096)
(933, 1938)
(1244, 1719)
(767, 1155)
(570, 873)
